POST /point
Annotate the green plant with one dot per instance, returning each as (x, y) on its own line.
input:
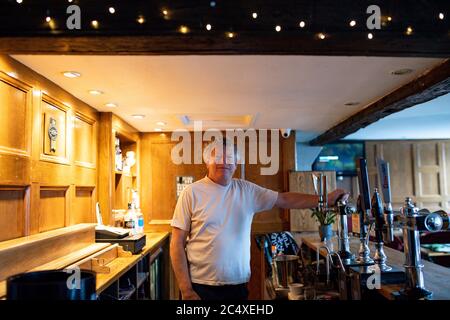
(324, 217)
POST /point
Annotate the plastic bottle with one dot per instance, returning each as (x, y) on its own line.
(139, 223)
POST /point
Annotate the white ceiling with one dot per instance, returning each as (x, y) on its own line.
(307, 93)
(429, 120)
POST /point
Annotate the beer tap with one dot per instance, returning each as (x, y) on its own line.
(378, 213)
(364, 211)
(413, 222)
(385, 185)
(343, 240)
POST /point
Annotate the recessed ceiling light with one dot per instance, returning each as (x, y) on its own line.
(370, 36)
(71, 74)
(352, 103)
(184, 29)
(208, 27)
(112, 10)
(302, 24)
(95, 92)
(94, 24)
(230, 35)
(19, 1)
(140, 20)
(352, 23)
(401, 72)
(138, 116)
(48, 19)
(254, 15)
(111, 105)
(161, 123)
(321, 36)
(158, 129)
(165, 12)
(389, 18)
(441, 16)
(409, 31)
(277, 28)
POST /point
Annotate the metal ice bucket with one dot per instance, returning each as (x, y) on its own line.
(286, 270)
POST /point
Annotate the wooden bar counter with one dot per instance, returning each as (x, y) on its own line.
(435, 276)
(75, 246)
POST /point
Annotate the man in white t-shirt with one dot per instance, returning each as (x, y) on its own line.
(210, 245)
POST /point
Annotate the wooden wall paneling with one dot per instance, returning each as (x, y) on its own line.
(84, 151)
(14, 210)
(53, 208)
(301, 181)
(83, 206)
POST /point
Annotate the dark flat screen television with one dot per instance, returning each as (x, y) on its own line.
(340, 157)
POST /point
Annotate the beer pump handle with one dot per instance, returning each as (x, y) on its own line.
(385, 185)
(364, 189)
(378, 214)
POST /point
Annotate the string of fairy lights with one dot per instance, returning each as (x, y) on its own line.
(184, 29)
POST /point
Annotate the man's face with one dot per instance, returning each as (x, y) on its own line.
(222, 164)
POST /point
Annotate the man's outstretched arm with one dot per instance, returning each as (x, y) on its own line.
(296, 200)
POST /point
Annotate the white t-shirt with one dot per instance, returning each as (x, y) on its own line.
(219, 220)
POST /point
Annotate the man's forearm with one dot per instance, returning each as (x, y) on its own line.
(180, 267)
(296, 200)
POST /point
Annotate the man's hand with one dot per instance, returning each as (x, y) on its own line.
(335, 195)
(190, 295)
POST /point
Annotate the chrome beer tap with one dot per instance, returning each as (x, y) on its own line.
(413, 222)
(378, 212)
(364, 211)
(343, 240)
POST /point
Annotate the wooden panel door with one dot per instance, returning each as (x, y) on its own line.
(301, 181)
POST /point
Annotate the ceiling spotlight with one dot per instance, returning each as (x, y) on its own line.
(302, 24)
(352, 23)
(230, 35)
(441, 16)
(401, 72)
(321, 36)
(71, 74)
(112, 10)
(138, 116)
(158, 129)
(111, 105)
(94, 24)
(19, 1)
(277, 28)
(95, 92)
(212, 4)
(140, 19)
(70, 1)
(161, 123)
(254, 15)
(389, 18)
(165, 12)
(48, 19)
(184, 29)
(409, 31)
(370, 36)
(208, 27)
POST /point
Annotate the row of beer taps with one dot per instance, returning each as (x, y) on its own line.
(373, 211)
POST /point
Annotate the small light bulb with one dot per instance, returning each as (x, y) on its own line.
(184, 29)
(277, 28)
(441, 16)
(94, 24)
(352, 23)
(165, 12)
(409, 30)
(158, 129)
(161, 123)
(370, 36)
(48, 19)
(112, 10)
(254, 15)
(389, 19)
(321, 36)
(140, 19)
(208, 27)
(19, 1)
(302, 24)
(111, 105)
(230, 35)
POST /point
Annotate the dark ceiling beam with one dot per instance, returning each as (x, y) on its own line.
(428, 86)
(337, 44)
